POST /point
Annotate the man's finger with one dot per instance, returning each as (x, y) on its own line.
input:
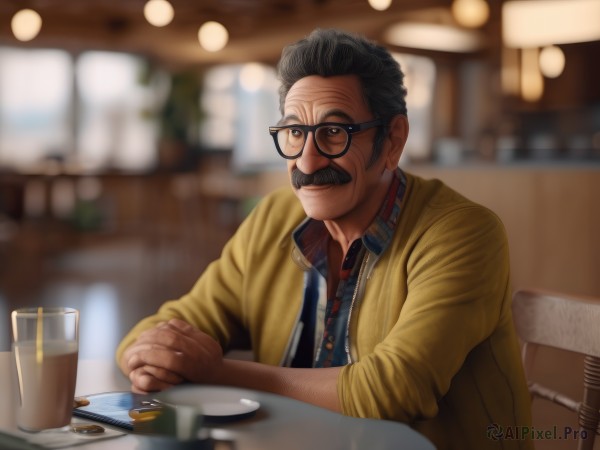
(159, 357)
(167, 337)
(163, 375)
(143, 382)
(181, 325)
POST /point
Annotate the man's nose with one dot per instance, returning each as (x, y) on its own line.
(311, 160)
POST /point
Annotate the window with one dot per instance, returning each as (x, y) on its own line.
(240, 102)
(93, 112)
(35, 106)
(419, 79)
(113, 129)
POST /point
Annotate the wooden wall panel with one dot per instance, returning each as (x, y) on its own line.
(551, 214)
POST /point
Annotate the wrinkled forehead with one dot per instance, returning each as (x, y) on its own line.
(315, 94)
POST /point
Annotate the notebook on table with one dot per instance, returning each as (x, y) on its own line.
(125, 410)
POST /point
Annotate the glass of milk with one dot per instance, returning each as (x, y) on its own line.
(45, 348)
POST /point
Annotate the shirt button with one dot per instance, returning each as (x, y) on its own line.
(329, 346)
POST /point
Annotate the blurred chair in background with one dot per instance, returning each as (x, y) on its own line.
(569, 323)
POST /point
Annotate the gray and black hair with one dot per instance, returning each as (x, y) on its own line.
(331, 52)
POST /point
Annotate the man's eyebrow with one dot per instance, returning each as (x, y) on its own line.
(291, 118)
(329, 116)
(336, 114)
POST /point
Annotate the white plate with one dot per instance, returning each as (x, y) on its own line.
(217, 403)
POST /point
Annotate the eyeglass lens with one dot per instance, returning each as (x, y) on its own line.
(331, 140)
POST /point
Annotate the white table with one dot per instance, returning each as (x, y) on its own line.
(282, 423)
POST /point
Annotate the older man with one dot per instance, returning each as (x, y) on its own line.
(362, 289)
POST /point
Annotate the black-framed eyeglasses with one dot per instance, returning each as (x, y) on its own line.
(331, 139)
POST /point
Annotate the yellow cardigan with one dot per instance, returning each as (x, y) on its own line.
(433, 340)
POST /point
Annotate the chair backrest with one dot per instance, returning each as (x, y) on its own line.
(570, 323)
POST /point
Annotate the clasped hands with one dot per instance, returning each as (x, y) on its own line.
(169, 354)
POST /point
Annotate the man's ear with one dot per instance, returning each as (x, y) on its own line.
(396, 140)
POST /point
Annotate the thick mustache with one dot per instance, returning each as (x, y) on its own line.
(327, 175)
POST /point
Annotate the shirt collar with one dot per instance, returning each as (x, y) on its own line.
(311, 236)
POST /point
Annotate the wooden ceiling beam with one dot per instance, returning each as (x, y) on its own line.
(258, 29)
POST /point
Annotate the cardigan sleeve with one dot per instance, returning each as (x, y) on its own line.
(457, 286)
(227, 301)
(214, 304)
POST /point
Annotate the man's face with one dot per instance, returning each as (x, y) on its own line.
(313, 100)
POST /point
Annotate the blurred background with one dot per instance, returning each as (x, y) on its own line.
(133, 136)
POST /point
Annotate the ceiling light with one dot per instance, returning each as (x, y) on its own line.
(510, 73)
(471, 13)
(527, 24)
(532, 82)
(552, 61)
(430, 36)
(26, 24)
(158, 12)
(213, 36)
(380, 5)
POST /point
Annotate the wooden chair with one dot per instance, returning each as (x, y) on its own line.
(569, 323)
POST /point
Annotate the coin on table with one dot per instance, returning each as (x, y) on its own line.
(84, 428)
(80, 401)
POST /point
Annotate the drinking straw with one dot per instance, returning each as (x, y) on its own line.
(39, 338)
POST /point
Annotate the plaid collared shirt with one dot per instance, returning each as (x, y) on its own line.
(324, 321)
